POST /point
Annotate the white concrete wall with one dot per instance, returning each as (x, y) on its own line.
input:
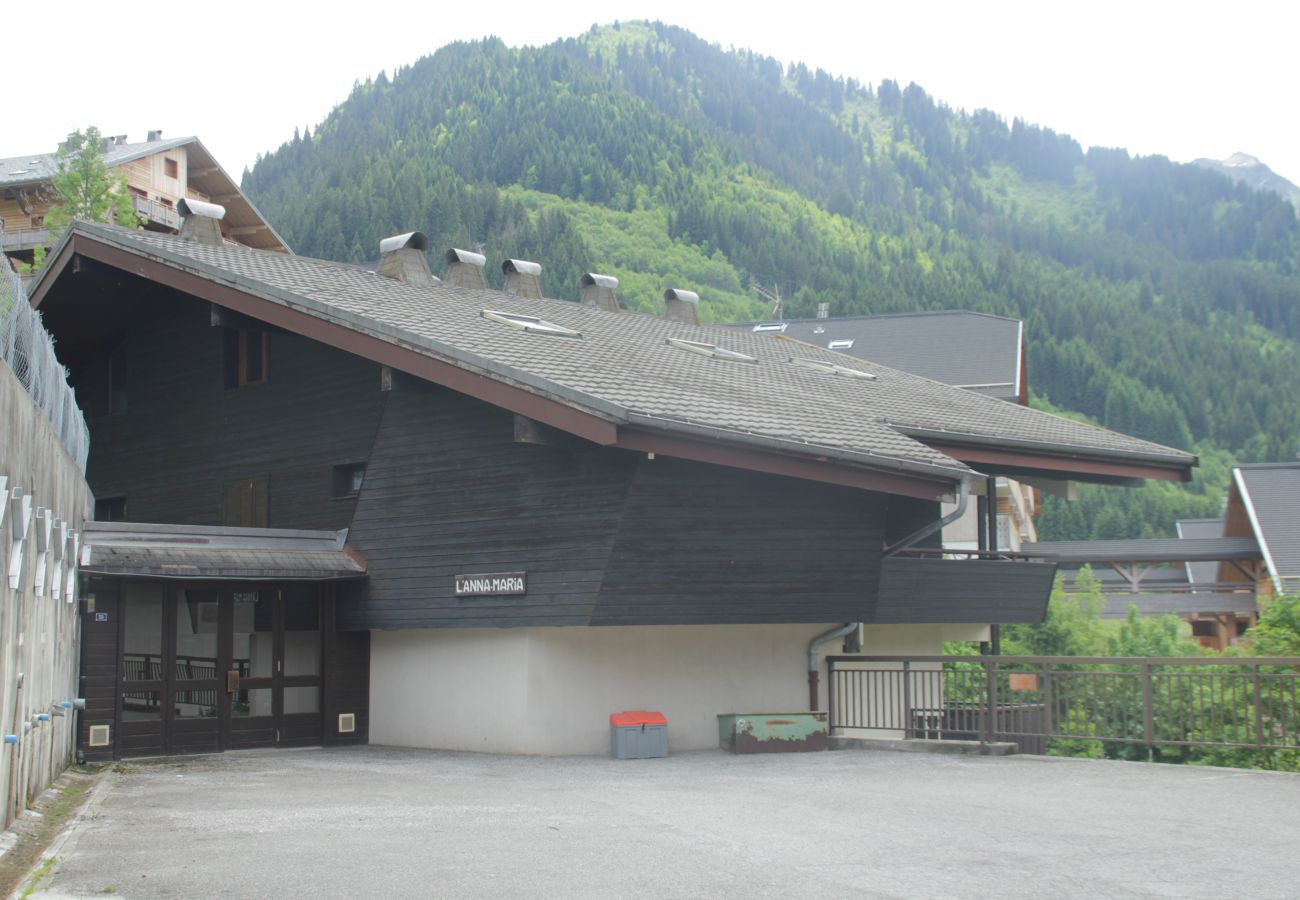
(40, 623)
(550, 691)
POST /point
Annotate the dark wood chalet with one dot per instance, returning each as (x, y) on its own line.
(371, 494)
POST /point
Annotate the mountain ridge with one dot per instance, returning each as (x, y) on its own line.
(1250, 170)
(644, 152)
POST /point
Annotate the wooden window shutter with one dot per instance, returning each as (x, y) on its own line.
(246, 503)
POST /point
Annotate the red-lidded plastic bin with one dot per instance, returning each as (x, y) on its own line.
(638, 734)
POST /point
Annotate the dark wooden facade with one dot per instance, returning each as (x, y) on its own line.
(453, 486)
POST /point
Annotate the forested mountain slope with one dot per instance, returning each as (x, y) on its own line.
(1160, 299)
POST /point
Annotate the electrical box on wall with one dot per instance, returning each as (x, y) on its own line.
(347, 723)
(99, 736)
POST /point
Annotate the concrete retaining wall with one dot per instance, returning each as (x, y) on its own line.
(40, 624)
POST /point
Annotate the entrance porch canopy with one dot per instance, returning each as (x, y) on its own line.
(207, 553)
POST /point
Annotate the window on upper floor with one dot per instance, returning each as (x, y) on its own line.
(170, 168)
(38, 221)
(347, 480)
(246, 353)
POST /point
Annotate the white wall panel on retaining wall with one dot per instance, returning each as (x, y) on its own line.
(40, 624)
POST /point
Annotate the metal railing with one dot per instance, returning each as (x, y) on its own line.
(28, 350)
(1033, 701)
(157, 211)
(149, 667)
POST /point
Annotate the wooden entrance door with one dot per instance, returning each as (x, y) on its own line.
(211, 668)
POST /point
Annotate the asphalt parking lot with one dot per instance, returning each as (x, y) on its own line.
(384, 822)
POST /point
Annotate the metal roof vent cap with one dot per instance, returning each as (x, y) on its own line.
(401, 257)
(600, 291)
(465, 269)
(523, 278)
(682, 306)
(201, 221)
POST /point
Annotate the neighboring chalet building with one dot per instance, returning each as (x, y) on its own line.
(386, 507)
(975, 351)
(1213, 573)
(159, 174)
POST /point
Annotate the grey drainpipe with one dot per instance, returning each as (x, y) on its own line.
(922, 533)
(816, 642)
(813, 667)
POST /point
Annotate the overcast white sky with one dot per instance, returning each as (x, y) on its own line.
(1183, 79)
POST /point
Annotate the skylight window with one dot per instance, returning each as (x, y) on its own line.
(530, 324)
(830, 368)
(711, 350)
(840, 345)
(763, 327)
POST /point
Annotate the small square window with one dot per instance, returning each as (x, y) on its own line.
(170, 168)
(246, 355)
(38, 221)
(110, 509)
(348, 479)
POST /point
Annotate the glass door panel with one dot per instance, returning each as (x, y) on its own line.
(143, 682)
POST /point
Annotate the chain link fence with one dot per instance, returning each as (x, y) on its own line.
(28, 350)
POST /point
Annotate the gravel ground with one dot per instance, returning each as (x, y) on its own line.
(385, 822)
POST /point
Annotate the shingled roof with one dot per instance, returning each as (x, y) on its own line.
(621, 371)
(1271, 494)
(972, 350)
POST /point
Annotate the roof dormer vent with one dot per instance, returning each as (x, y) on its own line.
(465, 269)
(523, 278)
(600, 291)
(682, 306)
(201, 221)
(401, 257)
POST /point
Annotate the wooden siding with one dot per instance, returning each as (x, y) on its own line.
(605, 536)
(448, 491)
(346, 674)
(953, 591)
(184, 437)
(699, 544)
(99, 668)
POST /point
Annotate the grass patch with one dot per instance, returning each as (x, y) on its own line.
(56, 808)
(41, 872)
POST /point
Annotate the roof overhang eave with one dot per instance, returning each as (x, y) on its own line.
(1064, 460)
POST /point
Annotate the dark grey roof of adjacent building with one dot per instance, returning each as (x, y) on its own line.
(1271, 493)
(223, 554)
(35, 167)
(1153, 550)
(965, 349)
(623, 369)
(1193, 529)
(1181, 605)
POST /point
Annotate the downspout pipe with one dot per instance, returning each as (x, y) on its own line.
(963, 495)
(813, 667)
